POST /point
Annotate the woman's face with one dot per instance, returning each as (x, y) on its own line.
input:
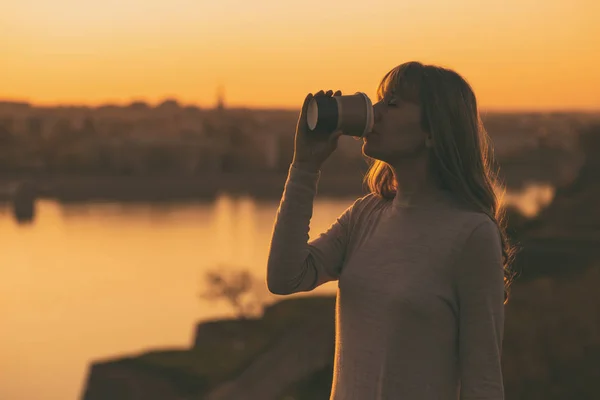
(397, 132)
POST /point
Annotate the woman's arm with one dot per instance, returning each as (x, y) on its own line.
(294, 265)
(480, 288)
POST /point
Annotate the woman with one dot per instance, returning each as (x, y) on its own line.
(422, 262)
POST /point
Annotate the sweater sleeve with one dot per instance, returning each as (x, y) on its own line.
(294, 263)
(480, 288)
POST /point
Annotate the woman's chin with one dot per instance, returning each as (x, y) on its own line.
(371, 151)
(367, 149)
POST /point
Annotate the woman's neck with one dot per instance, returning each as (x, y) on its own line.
(415, 182)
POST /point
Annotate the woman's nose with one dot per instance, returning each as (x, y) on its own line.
(377, 111)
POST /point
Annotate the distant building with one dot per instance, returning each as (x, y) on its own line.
(220, 98)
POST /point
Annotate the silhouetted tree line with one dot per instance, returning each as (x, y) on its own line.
(171, 139)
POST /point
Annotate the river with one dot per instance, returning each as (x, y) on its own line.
(87, 282)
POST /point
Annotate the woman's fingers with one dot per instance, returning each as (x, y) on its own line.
(328, 93)
(306, 101)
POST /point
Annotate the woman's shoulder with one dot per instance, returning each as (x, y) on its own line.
(366, 207)
(471, 218)
(474, 225)
(369, 202)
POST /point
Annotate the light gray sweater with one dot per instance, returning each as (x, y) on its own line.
(419, 312)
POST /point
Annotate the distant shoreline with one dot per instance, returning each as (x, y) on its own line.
(266, 185)
(174, 188)
(124, 103)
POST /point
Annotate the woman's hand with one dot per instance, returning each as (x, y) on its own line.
(312, 148)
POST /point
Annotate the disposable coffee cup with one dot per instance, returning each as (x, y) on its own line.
(352, 114)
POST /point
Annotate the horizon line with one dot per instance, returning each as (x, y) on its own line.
(234, 106)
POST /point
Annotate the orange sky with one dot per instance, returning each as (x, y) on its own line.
(517, 54)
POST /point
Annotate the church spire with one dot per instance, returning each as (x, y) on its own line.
(220, 98)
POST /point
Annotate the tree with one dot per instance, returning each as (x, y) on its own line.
(244, 293)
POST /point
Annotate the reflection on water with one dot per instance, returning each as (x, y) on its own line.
(531, 199)
(86, 282)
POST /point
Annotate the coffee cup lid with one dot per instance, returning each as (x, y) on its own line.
(370, 117)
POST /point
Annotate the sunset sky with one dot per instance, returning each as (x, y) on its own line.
(517, 54)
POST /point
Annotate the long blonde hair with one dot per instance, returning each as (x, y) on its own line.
(463, 158)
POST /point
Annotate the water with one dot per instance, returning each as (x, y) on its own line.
(95, 281)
